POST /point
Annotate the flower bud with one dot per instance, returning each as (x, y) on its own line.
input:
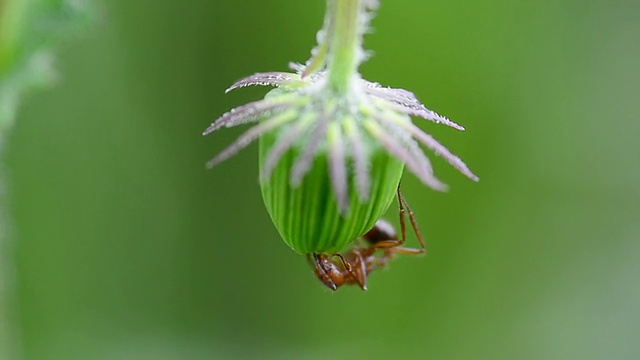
(307, 216)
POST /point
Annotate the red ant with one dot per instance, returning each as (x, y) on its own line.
(356, 264)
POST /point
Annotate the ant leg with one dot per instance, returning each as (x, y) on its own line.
(412, 219)
(406, 251)
(358, 274)
(401, 213)
(321, 272)
(394, 245)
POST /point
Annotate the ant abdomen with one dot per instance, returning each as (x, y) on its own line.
(382, 230)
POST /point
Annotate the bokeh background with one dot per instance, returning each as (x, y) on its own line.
(125, 247)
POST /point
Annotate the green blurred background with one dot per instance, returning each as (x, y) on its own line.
(125, 247)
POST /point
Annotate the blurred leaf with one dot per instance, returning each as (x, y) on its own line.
(28, 31)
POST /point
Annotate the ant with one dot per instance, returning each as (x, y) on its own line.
(356, 264)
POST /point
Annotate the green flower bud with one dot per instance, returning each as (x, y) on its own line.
(307, 215)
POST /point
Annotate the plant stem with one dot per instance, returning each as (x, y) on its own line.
(344, 42)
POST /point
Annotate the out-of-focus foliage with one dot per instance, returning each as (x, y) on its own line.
(28, 30)
(127, 248)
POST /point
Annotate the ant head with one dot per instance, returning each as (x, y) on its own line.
(329, 273)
